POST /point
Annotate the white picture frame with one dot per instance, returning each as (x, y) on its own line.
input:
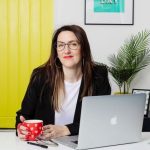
(147, 92)
(109, 12)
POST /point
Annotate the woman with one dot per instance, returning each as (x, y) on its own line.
(56, 88)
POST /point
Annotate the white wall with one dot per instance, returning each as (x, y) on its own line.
(106, 39)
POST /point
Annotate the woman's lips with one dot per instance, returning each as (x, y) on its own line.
(67, 57)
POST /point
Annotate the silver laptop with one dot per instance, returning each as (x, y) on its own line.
(108, 120)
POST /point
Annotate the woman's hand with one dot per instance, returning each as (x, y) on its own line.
(54, 131)
(21, 130)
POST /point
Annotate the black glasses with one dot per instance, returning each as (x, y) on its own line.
(72, 45)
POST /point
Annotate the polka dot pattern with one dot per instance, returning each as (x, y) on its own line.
(35, 129)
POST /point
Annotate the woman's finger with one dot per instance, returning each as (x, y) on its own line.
(22, 119)
(22, 136)
(22, 130)
(47, 128)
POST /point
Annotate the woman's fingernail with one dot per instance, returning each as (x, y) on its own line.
(26, 137)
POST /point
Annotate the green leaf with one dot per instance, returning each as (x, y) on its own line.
(132, 57)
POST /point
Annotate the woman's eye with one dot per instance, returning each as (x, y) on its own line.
(73, 44)
(60, 45)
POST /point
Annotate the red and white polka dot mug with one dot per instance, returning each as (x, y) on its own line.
(34, 127)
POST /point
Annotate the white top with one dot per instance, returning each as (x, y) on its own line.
(66, 115)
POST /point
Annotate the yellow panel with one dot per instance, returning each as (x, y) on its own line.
(35, 31)
(7, 122)
(3, 58)
(46, 28)
(24, 59)
(25, 32)
(12, 57)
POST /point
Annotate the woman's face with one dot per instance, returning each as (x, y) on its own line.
(69, 50)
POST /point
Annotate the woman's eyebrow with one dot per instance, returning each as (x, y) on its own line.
(68, 41)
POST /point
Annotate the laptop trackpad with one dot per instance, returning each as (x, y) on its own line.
(70, 141)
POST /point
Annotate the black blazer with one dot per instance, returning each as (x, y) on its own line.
(35, 106)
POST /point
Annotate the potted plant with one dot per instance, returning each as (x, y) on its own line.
(132, 57)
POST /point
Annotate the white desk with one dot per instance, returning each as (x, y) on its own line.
(9, 141)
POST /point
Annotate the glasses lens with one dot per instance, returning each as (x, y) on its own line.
(73, 45)
(60, 46)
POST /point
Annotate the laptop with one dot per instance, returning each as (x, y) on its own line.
(108, 120)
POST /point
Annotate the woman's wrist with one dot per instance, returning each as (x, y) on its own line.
(66, 131)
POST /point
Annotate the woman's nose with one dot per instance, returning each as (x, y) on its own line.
(67, 49)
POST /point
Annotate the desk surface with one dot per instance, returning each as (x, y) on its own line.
(9, 141)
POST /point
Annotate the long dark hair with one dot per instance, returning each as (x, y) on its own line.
(54, 66)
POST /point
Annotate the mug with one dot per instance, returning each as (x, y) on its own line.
(34, 127)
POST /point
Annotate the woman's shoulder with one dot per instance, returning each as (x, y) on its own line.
(39, 70)
(100, 69)
(39, 73)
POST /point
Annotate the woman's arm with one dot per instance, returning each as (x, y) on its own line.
(30, 99)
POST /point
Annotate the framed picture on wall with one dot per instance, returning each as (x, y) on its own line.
(109, 12)
(147, 92)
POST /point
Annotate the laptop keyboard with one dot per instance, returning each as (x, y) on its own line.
(70, 141)
(76, 142)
